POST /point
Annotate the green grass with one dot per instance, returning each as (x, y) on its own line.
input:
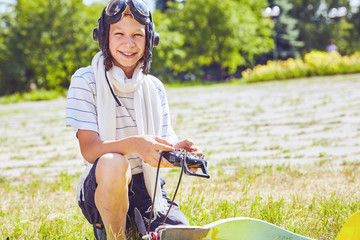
(32, 209)
(283, 196)
(270, 158)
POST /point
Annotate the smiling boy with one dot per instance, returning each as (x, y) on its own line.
(122, 120)
(127, 43)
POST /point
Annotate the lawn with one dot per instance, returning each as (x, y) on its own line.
(286, 152)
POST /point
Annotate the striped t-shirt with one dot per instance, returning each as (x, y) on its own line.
(81, 110)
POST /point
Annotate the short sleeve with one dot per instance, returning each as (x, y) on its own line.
(81, 101)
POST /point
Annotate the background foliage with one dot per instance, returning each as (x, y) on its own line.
(315, 63)
(44, 42)
(316, 28)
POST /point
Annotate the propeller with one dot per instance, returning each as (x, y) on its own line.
(141, 225)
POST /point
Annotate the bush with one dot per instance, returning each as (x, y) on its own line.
(315, 63)
(35, 95)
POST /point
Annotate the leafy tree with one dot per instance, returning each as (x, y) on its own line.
(287, 32)
(223, 34)
(310, 14)
(169, 55)
(354, 32)
(12, 68)
(44, 43)
(344, 30)
(316, 28)
(162, 4)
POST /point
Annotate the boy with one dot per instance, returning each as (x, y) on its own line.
(122, 120)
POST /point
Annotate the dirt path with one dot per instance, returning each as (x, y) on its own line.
(291, 122)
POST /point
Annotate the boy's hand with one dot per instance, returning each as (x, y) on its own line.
(148, 148)
(190, 147)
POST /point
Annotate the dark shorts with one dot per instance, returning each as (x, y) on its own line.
(138, 197)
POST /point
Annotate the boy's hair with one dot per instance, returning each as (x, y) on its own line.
(101, 34)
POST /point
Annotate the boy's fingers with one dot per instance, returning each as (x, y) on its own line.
(163, 147)
(165, 162)
(193, 169)
(195, 150)
(154, 161)
(163, 141)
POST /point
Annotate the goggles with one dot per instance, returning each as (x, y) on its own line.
(115, 10)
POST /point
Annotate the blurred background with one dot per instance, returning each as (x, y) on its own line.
(42, 43)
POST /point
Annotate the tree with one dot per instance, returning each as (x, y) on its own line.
(44, 43)
(353, 33)
(12, 67)
(169, 55)
(316, 28)
(287, 31)
(223, 34)
(162, 5)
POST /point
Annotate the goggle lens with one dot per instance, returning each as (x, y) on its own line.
(114, 7)
(118, 6)
(141, 8)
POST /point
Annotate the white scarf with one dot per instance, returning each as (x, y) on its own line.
(148, 114)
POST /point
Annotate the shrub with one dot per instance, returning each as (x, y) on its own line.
(315, 63)
(35, 95)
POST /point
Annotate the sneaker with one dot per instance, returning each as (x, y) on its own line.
(99, 232)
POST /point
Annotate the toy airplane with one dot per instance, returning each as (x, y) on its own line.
(245, 229)
(240, 228)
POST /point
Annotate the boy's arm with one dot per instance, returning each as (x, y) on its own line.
(92, 147)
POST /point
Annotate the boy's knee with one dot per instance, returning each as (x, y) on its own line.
(114, 167)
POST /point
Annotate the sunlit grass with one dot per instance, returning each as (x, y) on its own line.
(32, 210)
(284, 152)
(306, 200)
(281, 195)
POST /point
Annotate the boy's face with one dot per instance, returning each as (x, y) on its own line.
(127, 43)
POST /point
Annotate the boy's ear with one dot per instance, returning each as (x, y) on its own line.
(96, 34)
(156, 37)
(99, 33)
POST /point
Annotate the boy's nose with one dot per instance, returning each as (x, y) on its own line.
(129, 42)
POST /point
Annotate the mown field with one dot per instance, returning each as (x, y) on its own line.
(286, 152)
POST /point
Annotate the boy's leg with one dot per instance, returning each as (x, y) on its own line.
(113, 174)
(141, 200)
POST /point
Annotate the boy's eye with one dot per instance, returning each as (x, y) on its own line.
(118, 33)
(138, 35)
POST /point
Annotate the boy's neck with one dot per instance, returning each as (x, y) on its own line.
(128, 71)
(129, 74)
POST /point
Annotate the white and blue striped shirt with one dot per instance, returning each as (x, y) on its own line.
(81, 110)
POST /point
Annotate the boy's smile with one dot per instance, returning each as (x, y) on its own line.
(128, 54)
(127, 43)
